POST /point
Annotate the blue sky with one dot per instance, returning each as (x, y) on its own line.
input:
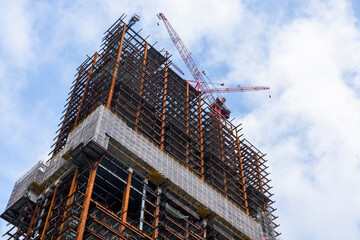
(306, 51)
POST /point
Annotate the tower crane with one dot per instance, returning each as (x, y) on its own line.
(219, 104)
(201, 85)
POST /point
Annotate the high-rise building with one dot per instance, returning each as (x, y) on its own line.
(141, 155)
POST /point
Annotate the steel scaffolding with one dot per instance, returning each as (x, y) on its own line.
(92, 194)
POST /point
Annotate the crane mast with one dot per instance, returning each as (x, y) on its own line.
(186, 56)
(201, 85)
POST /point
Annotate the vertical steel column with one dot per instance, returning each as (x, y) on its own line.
(49, 213)
(89, 190)
(258, 173)
(241, 171)
(32, 221)
(70, 199)
(222, 152)
(157, 212)
(259, 177)
(204, 224)
(116, 68)
(162, 133)
(142, 211)
(125, 200)
(204, 234)
(67, 110)
(141, 86)
(187, 123)
(72, 187)
(201, 140)
(85, 90)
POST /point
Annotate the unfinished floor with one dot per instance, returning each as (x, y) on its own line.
(141, 155)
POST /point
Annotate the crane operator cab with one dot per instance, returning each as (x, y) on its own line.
(219, 107)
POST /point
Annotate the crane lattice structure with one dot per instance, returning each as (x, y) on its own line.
(201, 84)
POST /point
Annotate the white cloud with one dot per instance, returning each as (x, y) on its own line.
(309, 128)
(16, 35)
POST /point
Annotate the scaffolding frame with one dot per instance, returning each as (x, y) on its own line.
(136, 82)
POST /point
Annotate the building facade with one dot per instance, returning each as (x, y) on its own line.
(140, 154)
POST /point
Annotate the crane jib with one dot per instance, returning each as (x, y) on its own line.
(217, 104)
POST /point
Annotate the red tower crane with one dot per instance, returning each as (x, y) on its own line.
(201, 85)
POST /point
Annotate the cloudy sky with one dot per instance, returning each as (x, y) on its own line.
(308, 52)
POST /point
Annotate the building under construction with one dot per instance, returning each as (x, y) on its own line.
(141, 155)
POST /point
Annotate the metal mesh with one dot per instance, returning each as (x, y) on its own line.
(102, 123)
(41, 171)
(98, 127)
(35, 174)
